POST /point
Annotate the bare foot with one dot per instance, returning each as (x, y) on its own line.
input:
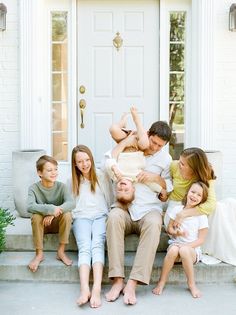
(64, 258)
(34, 264)
(129, 293)
(95, 300)
(159, 288)
(196, 293)
(84, 296)
(123, 121)
(115, 291)
(134, 113)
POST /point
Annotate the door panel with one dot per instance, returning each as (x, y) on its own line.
(116, 79)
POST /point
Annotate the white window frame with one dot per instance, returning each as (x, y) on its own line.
(199, 69)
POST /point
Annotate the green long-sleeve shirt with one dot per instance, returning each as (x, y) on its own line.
(44, 200)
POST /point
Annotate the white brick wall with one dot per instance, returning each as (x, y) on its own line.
(9, 102)
(225, 96)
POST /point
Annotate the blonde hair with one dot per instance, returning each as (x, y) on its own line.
(76, 173)
(204, 192)
(198, 162)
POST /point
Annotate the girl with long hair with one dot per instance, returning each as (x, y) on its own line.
(93, 193)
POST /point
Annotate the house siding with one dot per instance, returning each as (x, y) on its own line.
(9, 102)
(225, 96)
(224, 87)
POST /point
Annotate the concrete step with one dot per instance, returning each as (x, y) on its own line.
(13, 267)
(20, 250)
(19, 238)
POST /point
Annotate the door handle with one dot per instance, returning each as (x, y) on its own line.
(82, 105)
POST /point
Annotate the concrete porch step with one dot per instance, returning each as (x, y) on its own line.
(13, 267)
(19, 238)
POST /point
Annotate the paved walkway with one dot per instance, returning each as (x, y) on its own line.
(28, 298)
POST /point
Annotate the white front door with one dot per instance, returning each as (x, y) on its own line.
(113, 80)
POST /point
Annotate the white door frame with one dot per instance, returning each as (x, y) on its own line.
(34, 100)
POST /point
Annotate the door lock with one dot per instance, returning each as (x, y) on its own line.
(82, 105)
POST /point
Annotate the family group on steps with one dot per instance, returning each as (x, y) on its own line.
(125, 196)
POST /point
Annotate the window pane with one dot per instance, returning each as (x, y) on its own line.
(176, 87)
(59, 26)
(176, 57)
(60, 144)
(59, 75)
(59, 117)
(177, 26)
(59, 57)
(59, 88)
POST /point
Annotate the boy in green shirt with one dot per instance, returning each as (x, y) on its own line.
(50, 203)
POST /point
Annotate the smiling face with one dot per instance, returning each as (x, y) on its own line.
(83, 162)
(124, 191)
(48, 174)
(194, 196)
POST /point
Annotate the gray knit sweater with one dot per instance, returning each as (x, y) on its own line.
(44, 200)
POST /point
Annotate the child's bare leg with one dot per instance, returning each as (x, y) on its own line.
(95, 300)
(168, 263)
(84, 271)
(142, 136)
(38, 258)
(116, 129)
(188, 256)
(61, 255)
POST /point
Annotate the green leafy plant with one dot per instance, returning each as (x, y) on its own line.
(6, 218)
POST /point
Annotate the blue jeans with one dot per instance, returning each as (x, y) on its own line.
(90, 235)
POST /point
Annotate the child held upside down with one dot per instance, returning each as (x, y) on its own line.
(125, 166)
(185, 242)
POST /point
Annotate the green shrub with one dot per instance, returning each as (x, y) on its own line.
(6, 218)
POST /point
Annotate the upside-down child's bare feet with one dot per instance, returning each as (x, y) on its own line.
(123, 121)
(95, 300)
(196, 293)
(64, 258)
(129, 292)
(34, 264)
(84, 296)
(159, 288)
(115, 291)
(134, 113)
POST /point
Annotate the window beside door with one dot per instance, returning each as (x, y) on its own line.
(177, 75)
(59, 79)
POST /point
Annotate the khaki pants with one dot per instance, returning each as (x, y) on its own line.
(60, 224)
(120, 224)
